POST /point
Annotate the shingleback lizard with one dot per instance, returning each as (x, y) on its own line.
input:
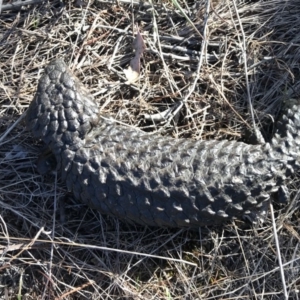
(150, 179)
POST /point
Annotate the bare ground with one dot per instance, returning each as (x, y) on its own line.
(54, 248)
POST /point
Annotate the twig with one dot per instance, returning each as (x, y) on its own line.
(89, 34)
(203, 47)
(211, 58)
(29, 245)
(278, 253)
(156, 39)
(50, 265)
(18, 5)
(243, 46)
(175, 2)
(6, 133)
(228, 103)
(132, 2)
(74, 290)
(94, 247)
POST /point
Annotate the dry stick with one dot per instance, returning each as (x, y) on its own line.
(278, 253)
(29, 245)
(227, 102)
(5, 134)
(74, 290)
(18, 5)
(203, 47)
(243, 253)
(287, 264)
(243, 46)
(250, 278)
(75, 61)
(161, 246)
(92, 28)
(85, 246)
(111, 60)
(193, 55)
(255, 128)
(157, 39)
(164, 37)
(175, 2)
(49, 277)
(5, 231)
(132, 2)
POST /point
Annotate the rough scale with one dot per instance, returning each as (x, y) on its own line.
(150, 179)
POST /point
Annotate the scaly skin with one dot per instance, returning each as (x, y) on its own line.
(150, 179)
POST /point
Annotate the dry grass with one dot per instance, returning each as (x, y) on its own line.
(54, 248)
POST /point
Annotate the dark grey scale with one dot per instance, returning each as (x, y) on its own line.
(131, 204)
(154, 180)
(145, 214)
(68, 96)
(76, 190)
(70, 114)
(66, 80)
